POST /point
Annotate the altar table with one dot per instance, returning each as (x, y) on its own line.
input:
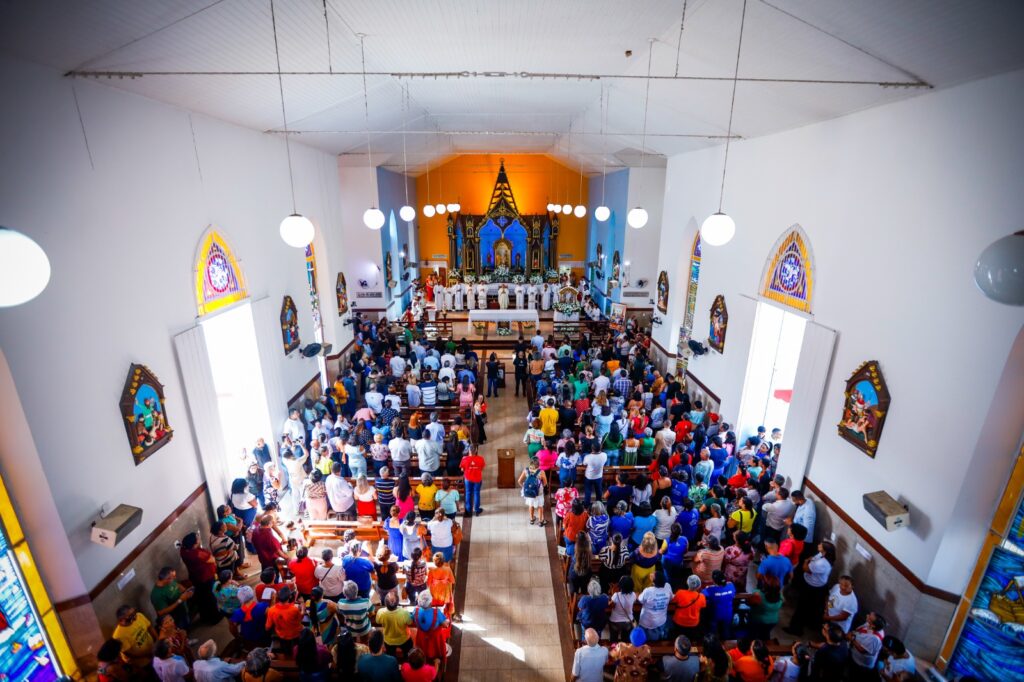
(509, 315)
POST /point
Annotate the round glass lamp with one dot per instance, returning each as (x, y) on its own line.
(24, 268)
(718, 229)
(407, 213)
(637, 217)
(602, 213)
(373, 218)
(428, 211)
(999, 272)
(297, 231)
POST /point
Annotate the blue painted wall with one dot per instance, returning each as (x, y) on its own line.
(396, 233)
(611, 234)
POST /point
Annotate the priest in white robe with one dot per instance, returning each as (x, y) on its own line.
(459, 295)
(545, 297)
(481, 296)
(532, 296)
(520, 294)
(503, 296)
(449, 296)
(439, 296)
(470, 296)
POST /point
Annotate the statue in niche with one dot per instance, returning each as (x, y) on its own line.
(519, 261)
(502, 253)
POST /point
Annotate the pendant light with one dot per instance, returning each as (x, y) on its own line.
(24, 268)
(602, 212)
(296, 229)
(999, 272)
(637, 217)
(719, 228)
(407, 212)
(373, 217)
(428, 208)
(440, 208)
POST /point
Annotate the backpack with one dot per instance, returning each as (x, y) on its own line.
(531, 486)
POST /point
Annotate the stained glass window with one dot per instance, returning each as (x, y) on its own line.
(314, 294)
(218, 274)
(686, 328)
(789, 275)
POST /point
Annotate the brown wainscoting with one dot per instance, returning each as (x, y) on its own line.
(451, 669)
(133, 555)
(662, 349)
(921, 586)
(711, 394)
(565, 628)
(341, 352)
(302, 391)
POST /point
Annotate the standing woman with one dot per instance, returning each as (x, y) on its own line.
(441, 539)
(393, 524)
(432, 628)
(316, 496)
(520, 365)
(645, 560)
(441, 583)
(736, 561)
(254, 479)
(272, 485)
(492, 374)
(404, 499)
(534, 439)
(532, 482)
(480, 417)
(466, 391)
(614, 557)
(243, 503)
(366, 497)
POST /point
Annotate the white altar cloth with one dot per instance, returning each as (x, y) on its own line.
(509, 315)
(562, 317)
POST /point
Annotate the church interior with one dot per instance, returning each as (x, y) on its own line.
(472, 340)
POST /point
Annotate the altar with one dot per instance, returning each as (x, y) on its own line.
(510, 315)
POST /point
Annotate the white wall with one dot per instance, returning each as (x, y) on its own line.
(646, 189)
(898, 201)
(362, 258)
(121, 237)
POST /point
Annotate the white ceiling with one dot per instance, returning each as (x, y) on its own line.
(939, 42)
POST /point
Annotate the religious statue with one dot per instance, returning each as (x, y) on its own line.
(532, 294)
(520, 292)
(481, 296)
(470, 296)
(459, 294)
(519, 261)
(502, 253)
(503, 296)
(439, 296)
(545, 297)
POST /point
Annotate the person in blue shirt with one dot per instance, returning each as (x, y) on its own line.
(680, 491)
(358, 569)
(720, 595)
(249, 621)
(643, 523)
(620, 492)
(775, 569)
(674, 557)
(622, 520)
(688, 519)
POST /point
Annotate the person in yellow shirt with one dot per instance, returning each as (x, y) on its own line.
(136, 634)
(549, 419)
(340, 394)
(394, 622)
(425, 493)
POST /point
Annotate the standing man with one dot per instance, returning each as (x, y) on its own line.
(545, 297)
(481, 296)
(460, 293)
(589, 661)
(532, 296)
(438, 296)
(168, 597)
(473, 468)
(865, 645)
(293, 427)
(209, 668)
(340, 493)
(520, 291)
(680, 666)
(804, 514)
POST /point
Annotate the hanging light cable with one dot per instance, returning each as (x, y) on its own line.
(567, 207)
(454, 206)
(637, 217)
(602, 212)
(718, 228)
(580, 209)
(296, 230)
(407, 212)
(373, 217)
(440, 208)
(428, 208)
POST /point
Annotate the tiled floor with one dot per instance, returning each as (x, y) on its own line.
(509, 621)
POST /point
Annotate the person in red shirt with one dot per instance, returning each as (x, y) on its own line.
(268, 548)
(202, 571)
(473, 468)
(793, 546)
(683, 428)
(687, 607)
(302, 568)
(416, 669)
(284, 619)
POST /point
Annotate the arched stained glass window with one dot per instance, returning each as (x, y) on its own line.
(789, 273)
(314, 294)
(686, 328)
(218, 274)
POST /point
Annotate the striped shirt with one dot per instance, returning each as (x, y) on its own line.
(385, 490)
(356, 613)
(428, 389)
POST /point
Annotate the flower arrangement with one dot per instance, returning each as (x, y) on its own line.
(485, 278)
(501, 273)
(536, 279)
(454, 275)
(518, 279)
(504, 331)
(469, 279)
(551, 274)
(567, 307)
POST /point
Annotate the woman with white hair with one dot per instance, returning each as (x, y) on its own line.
(432, 628)
(209, 667)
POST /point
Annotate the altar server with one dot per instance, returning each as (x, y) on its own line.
(449, 296)
(532, 296)
(481, 296)
(503, 296)
(470, 296)
(520, 293)
(545, 297)
(459, 295)
(439, 296)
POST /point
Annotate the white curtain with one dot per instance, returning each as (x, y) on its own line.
(805, 406)
(266, 315)
(202, 406)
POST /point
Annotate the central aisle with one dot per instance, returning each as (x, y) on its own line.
(509, 629)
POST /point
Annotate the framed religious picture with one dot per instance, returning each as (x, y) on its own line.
(617, 316)
(341, 289)
(719, 324)
(663, 292)
(388, 273)
(864, 408)
(289, 325)
(143, 409)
